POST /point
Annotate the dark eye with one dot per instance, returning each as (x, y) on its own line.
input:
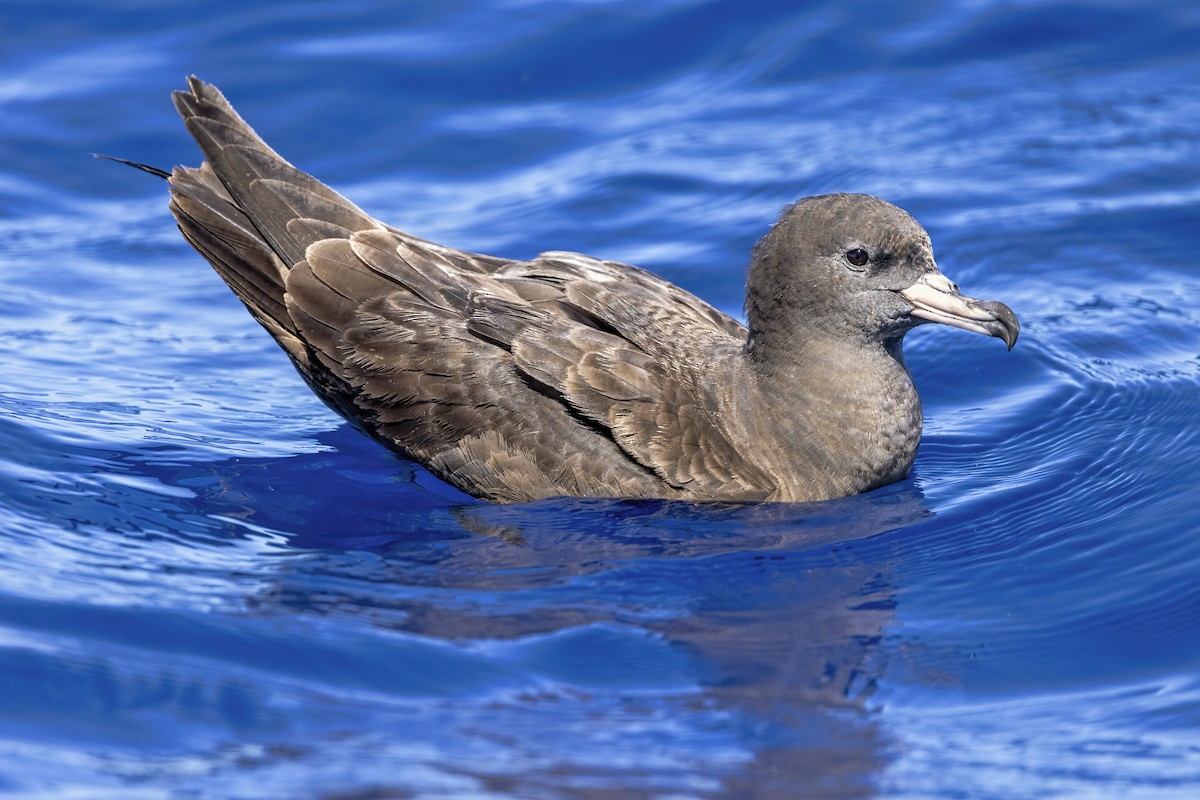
(857, 257)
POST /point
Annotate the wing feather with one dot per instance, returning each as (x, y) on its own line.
(564, 375)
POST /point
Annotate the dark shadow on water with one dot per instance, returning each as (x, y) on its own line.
(772, 601)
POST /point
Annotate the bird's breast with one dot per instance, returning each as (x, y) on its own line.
(854, 429)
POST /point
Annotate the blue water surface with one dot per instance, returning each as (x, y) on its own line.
(211, 587)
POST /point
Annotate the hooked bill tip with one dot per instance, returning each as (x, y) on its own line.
(1007, 325)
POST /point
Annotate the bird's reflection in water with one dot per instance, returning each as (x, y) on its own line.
(766, 617)
(781, 613)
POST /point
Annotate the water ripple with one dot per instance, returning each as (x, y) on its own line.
(210, 586)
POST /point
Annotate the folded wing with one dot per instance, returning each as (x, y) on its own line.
(564, 375)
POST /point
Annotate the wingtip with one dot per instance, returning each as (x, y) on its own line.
(202, 99)
(162, 173)
(197, 86)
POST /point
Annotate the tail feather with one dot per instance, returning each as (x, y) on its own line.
(229, 240)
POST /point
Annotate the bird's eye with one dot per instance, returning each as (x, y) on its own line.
(857, 257)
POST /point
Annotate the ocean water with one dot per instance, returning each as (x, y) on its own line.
(210, 587)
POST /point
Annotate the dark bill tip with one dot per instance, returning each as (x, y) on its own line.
(1006, 325)
(936, 299)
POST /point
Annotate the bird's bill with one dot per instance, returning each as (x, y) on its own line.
(935, 298)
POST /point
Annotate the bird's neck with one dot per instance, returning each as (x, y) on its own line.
(846, 415)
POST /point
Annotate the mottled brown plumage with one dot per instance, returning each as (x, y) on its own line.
(568, 375)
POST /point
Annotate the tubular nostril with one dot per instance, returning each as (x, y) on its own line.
(939, 281)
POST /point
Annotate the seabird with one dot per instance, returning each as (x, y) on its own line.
(570, 375)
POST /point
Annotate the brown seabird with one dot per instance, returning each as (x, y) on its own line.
(569, 375)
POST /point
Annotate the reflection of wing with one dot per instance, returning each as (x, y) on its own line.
(512, 380)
